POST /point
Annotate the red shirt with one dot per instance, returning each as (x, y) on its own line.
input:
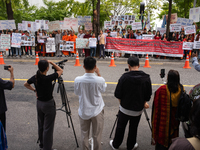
(157, 38)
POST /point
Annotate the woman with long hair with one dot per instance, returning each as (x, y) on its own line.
(164, 38)
(194, 142)
(164, 124)
(46, 109)
(173, 38)
(157, 36)
(182, 37)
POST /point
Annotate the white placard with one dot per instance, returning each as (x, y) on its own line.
(71, 22)
(175, 27)
(42, 24)
(194, 14)
(28, 25)
(20, 26)
(196, 45)
(54, 25)
(66, 46)
(162, 30)
(7, 24)
(147, 37)
(1, 49)
(16, 40)
(184, 21)
(188, 45)
(50, 45)
(88, 26)
(190, 29)
(27, 40)
(92, 42)
(136, 25)
(5, 41)
(107, 25)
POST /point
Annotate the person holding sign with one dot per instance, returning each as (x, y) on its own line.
(65, 38)
(72, 38)
(92, 44)
(87, 36)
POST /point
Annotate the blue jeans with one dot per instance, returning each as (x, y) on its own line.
(11, 51)
(28, 48)
(18, 50)
(93, 51)
(102, 50)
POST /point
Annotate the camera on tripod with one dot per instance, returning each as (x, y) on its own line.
(60, 64)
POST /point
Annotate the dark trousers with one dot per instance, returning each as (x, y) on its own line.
(121, 126)
(3, 120)
(46, 118)
(102, 50)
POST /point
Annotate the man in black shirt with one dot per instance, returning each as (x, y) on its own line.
(5, 85)
(133, 91)
(109, 34)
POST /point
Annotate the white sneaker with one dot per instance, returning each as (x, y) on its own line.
(111, 144)
(135, 146)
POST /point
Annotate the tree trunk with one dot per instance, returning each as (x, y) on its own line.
(9, 10)
(169, 17)
(98, 17)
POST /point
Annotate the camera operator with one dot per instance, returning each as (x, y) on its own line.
(195, 61)
(46, 109)
(89, 88)
(8, 85)
(133, 91)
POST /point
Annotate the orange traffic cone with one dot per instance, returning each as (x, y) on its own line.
(77, 60)
(1, 59)
(112, 62)
(36, 59)
(146, 65)
(187, 65)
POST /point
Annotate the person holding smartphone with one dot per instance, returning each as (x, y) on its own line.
(5, 85)
(46, 109)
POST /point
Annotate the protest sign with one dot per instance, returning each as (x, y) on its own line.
(92, 42)
(188, 45)
(173, 19)
(83, 20)
(42, 39)
(107, 25)
(162, 30)
(54, 25)
(5, 41)
(61, 24)
(7, 24)
(28, 25)
(66, 46)
(20, 26)
(190, 29)
(175, 27)
(88, 26)
(194, 14)
(71, 23)
(147, 37)
(136, 25)
(42, 24)
(50, 45)
(1, 49)
(81, 43)
(196, 45)
(16, 40)
(184, 21)
(155, 47)
(27, 40)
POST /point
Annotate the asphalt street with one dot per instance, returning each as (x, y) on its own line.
(21, 102)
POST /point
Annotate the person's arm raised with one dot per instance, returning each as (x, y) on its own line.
(58, 69)
(12, 79)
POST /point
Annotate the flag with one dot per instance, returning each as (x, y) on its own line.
(148, 21)
(145, 24)
(164, 22)
(142, 20)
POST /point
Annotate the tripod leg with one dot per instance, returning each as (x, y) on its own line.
(147, 118)
(113, 126)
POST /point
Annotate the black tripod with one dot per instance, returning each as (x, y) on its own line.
(147, 118)
(65, 103)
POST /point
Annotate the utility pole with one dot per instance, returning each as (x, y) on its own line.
(195, 1)
(169, 17)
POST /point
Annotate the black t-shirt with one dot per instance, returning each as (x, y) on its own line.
(44, 88)
(4, 85)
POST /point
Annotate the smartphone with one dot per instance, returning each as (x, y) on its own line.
(162, 73)
(6, 67)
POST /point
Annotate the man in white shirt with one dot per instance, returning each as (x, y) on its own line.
(89, 88)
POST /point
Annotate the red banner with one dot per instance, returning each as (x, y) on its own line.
(155, 47)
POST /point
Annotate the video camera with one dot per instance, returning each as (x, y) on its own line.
(60, 64)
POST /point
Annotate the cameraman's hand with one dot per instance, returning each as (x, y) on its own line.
(10, 69)
(146, 105)
(194, 54)
(97, 71)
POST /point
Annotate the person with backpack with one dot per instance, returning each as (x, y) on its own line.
(194, 142)
(165, 126)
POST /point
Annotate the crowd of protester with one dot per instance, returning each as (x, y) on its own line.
(70, 35)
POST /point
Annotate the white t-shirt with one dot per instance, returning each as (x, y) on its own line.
(92, 42)
(89, 88)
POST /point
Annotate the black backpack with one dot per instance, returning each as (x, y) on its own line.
(184, 106)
